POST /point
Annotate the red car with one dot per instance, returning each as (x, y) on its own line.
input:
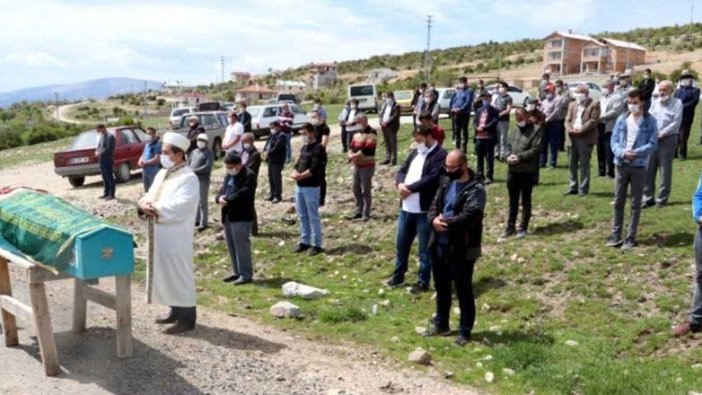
(80, 161)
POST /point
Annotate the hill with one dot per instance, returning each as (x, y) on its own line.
(92, 89)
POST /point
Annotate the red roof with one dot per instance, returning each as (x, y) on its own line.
(255, 89)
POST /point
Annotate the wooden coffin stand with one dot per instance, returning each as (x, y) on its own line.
(38, 313)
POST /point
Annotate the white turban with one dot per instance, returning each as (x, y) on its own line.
(176, 140)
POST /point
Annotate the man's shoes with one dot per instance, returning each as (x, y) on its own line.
(419, 288)
(686, 328)
(354, 216)
(201, 228)
(109, 198)
(648, 203)
(435, 331)
(316, 251)
(269, 199)
(570, 192)
(276, 201)
(232, 277)
(489, 181)
(395, 282)
(507, 233)
(385, 162)
(521, 233)
(242, 281)
(178, 329)
(552, 167)
(614, 241)
(301, 248)
(102, 196)
(629, 243)
(582, 194)
(167, 319)
(220, 236)
(365, 218)
(461, 340)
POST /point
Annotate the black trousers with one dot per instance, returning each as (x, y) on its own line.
(459, 273)
(605, 156)
(485, 149)
(460, 131)
(275, 180)
(344, 139)
(323, 185)
(519, 186)
(186, 316)
(683, 137)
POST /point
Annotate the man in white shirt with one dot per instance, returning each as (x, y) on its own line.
(668, 113)
(233, 135)
(581, 126)
(417, 182)
(390, 124)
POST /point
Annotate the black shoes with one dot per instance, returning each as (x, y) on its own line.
(354, 216)
(435, 331)
(301, 248)
(316, 251)
(614, 241)
(242, 281)
(570, 193)
(230, 278)
(419, 288)
(629, 243)
(167, 319)
(178, 329)
(461, 340)
(395, 282)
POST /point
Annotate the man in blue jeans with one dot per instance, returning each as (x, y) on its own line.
(106, 155)
(307, 174)
(150, 160)
(459, 109)
(417, 182)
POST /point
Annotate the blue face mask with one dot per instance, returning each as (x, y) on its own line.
(486, 103)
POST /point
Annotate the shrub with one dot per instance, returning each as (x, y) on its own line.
(10, 138)
(337, 315)
(43, 134)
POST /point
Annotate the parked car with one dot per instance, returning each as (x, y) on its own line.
(287, 97)
(595, 91)
(263, 115)
(229, 106)
(215, 124)
(80, 161)
(367, 96)
(177, 114)
(445, 96)
(210, 106)
(519, 97)
(404, 99)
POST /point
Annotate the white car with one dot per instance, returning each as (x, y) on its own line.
(178, 113)
(595, 91)
(262, 116)
(367, 96)
(519, 97)
(445, 96)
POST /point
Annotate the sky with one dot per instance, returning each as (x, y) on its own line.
(66, 41)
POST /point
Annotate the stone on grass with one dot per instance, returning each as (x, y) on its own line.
(420, 356)
(508, 372)
(285, 309)
(571, 343)
(304, 291)
(395, 339)
(697, 366)
(489, 377)
(448, 374)
(419, 329)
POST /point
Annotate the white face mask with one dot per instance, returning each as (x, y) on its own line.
(521, 124)
(314, 121)
(353, 107)
(274, 132)
(634, 108)
(148, 139)
(580, 97)
(685, 82)
(502, 90)
(166, 162)
(422, 148)
(202, 144)
(316, 106)
(305, 139)
(233, 172)
(247, 145)
(461, 86)
(530, 107)
(664, 98)
(549, 96)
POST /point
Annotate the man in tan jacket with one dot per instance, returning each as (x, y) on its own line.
(581, 136)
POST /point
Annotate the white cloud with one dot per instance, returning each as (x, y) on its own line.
(34, 59)
(559, 14)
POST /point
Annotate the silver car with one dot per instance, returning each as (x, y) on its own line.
(215, 124)
(262, 116)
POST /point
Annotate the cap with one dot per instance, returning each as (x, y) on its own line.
(203, 137)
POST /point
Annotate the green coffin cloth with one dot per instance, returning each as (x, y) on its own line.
(43, 226)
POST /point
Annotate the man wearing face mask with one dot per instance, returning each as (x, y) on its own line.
(306, 174)
(667, 111)
(624, 84)
(418, 103)
(690, 96)
(350, 121)
(201, 160)
(170, 206)
(456, 217)
(437, 132)
(150, 160)
(430, 105)
(245, 118)
(236, 197)
(563, 93)
(503, 104)
(362, 156)
(195, 130)
(545, 81)
(459, 108)
(647, 85)
(581, 128)
(342, 123)
(416, 182)
(274, 153)
(538, 119)
(286, 118)
(321, 112)
(634, 138)
(551, 108)
(612, 105)
(321, 134)
(251, 158)
(485, 124)
(233, 134)
(523, 150)
(390, 124)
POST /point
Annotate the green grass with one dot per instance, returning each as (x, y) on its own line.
(30, 154)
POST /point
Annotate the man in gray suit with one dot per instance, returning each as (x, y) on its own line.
(612, 105)
(667, 110)
(200, 161)
(106, 155)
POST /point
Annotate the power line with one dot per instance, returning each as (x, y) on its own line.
(427, 55)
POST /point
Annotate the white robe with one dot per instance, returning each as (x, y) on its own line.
(173, 282)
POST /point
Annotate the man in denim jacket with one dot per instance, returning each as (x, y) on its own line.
(634, 137)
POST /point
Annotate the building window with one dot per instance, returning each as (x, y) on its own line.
(554, 56)
(591, 52)
(556, 43)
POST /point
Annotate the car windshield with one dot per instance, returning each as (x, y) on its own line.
(403, 95)
(254, 111)
(180, 111)
(86, 140)
(364, 90)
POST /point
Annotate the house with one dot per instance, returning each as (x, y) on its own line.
(190, 99)
(240, 76)
(253, 93)
(378, 76)
(324, 75)
(568, 53)
(290, 86)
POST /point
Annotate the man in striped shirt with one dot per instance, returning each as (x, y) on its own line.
(286, 119)
(362, 155)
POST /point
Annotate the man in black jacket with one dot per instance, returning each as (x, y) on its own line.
(417, 181)
(251, 158)
(390, 123)
(195, 130)
(486, 117)
(245, 118)
(274, 153)
(236, 197)
(106, 155)
(647, 85)
(307, 176)
(321, 133)
(456, 216)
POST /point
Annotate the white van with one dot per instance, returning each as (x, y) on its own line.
(367, 96)
(177, 114)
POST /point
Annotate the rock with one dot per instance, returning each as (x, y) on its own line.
(419, 329)
(285, 309)
(449, 374)
(385, 303)
(508, 372)
(489, 377)
(697, 366)
(571, 343)
(456, 311)
(304, 291)
(420, 356)
(521, 260)
(479, 365)
(514, 258)
(381, 292)
(374, 309)
(395, 339)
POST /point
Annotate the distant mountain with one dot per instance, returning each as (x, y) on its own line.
(93, 89)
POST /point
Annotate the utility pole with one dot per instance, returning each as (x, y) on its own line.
(222, 62)
(692, 10)
(143, 115)
(427, 55)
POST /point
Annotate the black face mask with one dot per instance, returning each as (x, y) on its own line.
(455, 175)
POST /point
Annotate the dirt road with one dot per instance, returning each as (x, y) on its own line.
(225, 355)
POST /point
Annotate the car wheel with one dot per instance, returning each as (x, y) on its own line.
(123, 173)
(217, 149)
(76, 181)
